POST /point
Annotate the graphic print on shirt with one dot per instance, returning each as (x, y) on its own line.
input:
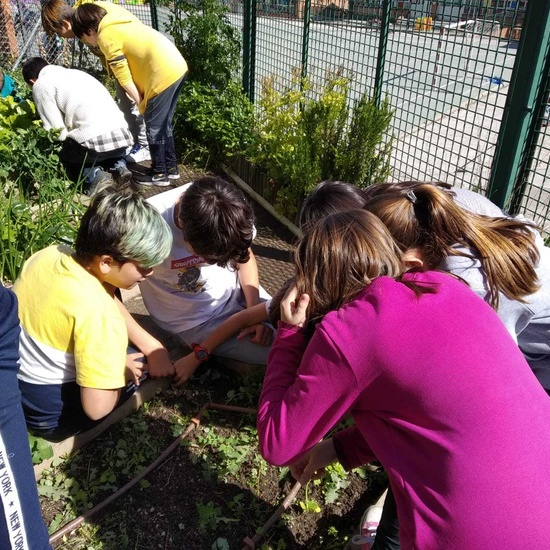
(189, 278)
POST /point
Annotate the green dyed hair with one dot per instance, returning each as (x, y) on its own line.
(122, 224)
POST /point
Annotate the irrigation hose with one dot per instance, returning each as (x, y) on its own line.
(250, 543)
(72, 525)
(195, 422)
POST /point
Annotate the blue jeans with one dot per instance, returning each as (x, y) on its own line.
(135, 121)
(158, 117)
(76, 158)
(238, 350)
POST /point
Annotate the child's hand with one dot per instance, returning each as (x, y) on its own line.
(135, 365)
(260, 334)
(312, 465)
(185, 367)
(159, 363)
(294, 311)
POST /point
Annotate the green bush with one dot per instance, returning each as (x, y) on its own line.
(211, 124)
(306, 134)
(207, 40)
(28, 153)
(38, 203)
(213, 117)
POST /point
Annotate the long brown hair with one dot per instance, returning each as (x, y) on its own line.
(341, 254)
(424, 216)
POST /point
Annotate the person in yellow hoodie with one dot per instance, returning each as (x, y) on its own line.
(56, 19)
(150, 69)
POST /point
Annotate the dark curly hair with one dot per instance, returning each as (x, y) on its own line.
(217, 221)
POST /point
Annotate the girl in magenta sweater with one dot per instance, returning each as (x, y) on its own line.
(439, 391)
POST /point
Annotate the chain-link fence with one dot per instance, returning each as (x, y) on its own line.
(22, 35)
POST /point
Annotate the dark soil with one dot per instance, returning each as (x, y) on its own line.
(166, 514)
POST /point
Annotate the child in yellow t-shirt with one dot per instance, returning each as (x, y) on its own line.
(150, 69)
(74, 337)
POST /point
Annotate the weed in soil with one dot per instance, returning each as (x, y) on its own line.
(211, 493)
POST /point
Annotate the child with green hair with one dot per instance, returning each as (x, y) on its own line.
(74, 337)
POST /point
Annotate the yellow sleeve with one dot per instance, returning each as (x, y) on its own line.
(100, 344)
(114, 57)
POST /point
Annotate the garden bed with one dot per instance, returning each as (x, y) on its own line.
(214, 490)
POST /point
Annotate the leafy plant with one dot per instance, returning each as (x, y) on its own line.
(334, 480)
(309, 506)
(364, 158)
(28, 153)
(76, 483)
(40, 449)
(211, 515)
(305, 134)
(207, 40)
(212, 123)
(214, 117)
(32, 224)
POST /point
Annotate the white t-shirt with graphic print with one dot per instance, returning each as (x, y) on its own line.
(184, 291)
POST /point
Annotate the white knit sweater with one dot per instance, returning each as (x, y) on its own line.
(76, 103)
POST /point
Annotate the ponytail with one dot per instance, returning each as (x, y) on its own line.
(424, 216)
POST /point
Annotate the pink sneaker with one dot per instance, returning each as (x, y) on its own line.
(369, 524)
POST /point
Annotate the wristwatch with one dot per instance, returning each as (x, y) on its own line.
(200, 353)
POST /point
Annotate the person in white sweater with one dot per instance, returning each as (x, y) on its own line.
(94, 132)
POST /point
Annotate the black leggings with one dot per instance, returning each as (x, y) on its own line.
(387, 534)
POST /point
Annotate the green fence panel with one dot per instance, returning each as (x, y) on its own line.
(522, 116)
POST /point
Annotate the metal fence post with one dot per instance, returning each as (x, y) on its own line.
(249, 47)
(518, 128)
(305, 38)
(382, 46)
(154, 15)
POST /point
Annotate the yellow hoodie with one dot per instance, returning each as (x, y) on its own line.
(138, 53)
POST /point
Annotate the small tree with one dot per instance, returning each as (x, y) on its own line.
(214, 117)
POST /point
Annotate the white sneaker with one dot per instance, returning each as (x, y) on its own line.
(139, 153)
(369, 524)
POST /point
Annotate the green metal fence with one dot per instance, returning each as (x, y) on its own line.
(468, 81)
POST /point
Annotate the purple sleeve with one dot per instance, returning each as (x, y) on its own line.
(302, 397)
(351, 448)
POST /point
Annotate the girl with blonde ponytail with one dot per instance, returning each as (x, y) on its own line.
(502, 259)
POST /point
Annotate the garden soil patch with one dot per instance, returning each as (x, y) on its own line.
(192, 501)
(214, 490)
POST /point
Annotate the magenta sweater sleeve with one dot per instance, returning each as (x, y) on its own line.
(305, 393)
(351, 448)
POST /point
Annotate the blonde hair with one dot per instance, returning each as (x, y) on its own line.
(341, 254)
(430, 220)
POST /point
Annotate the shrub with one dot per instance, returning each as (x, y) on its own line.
(213, 117)
(207, 40)
(306, 134)
(38, 203)
(211, 124)
(28, 153)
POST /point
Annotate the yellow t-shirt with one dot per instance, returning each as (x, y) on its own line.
(137, 53)
(72, 329)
